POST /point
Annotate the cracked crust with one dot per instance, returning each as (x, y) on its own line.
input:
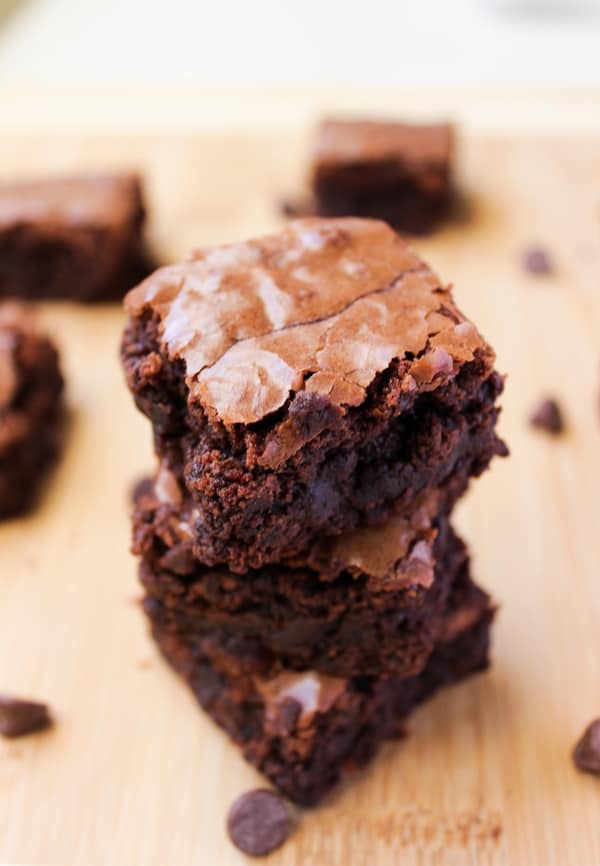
(322, 307)
(416, 411)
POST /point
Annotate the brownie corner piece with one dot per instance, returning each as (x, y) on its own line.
(398, 172)
(306, 730)
(31, 407)
(308, 382)
(78, 237)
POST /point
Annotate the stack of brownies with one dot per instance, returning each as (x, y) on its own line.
(319, 404)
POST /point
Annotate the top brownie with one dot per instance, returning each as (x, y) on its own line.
(307, 382)
(395, 171)
(76, 237)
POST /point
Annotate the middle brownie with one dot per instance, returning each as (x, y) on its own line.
(307, 383)
(360, 604)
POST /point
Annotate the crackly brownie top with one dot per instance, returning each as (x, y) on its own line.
(321, 307)
(109, 199)
(351, 141)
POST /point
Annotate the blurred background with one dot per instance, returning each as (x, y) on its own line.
(271, 42)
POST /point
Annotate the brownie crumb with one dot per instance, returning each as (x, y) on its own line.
(548, 416)
(586, 754)
(536, 260)
(19, 717)
(259, 821)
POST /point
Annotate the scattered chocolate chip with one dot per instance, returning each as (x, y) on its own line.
(537, 261)
(548, 416)
(259, 822)
(586, 754)
(297, 207)
(19, 717)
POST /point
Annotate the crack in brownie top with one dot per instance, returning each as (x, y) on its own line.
(340, 142)
(322, 307)
(77, 200)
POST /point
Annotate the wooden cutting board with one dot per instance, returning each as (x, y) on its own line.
(132, 772)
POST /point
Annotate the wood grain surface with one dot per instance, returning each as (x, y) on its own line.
(133, 773)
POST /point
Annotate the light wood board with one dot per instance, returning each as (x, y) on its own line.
(132, 772)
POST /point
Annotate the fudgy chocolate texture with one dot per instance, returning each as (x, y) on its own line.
(360, 604)
(304, 731)
(307, 383)
(31, 409)
(74, 237)
(393, 171)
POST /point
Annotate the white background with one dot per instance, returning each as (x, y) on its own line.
(278, 42)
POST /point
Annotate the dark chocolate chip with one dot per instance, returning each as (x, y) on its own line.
(179, 559)
(586, 754)
(259, 822)
(548, 416)
(537, 261)
(19, 717)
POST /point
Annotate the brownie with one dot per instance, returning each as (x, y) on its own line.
(305, 730)
(74, 237)
(31, 407)
(397, 172)
(307, 383)
(364, 603)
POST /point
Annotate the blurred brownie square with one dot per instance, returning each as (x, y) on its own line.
(364, 603)
(307, 383)
(397, 172)
(305, 730)
(31, 409)
(74, 237)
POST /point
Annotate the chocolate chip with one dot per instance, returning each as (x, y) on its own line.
(586, 753)
(179, 559)
(259, 822)
(297, 207)
(19, 717)
(548, 417)
(537, 261)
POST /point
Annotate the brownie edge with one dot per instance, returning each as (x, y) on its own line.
(31, 408)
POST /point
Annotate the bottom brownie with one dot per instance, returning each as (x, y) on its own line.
(31, 408)
(306, 730)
